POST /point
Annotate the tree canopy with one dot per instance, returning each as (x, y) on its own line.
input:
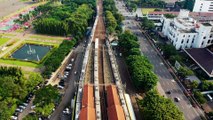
(155, 107)
(14, 88)
(140, 68)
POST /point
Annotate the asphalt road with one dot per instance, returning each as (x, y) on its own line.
(165, 78)
(70, 86)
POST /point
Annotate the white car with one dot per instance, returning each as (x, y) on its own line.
(22, 107)
(32, 107)
(14, 117)
(60, 87)
(68, 68)
(25, 104)
(177, 99)
(66, 111)
(19, 110)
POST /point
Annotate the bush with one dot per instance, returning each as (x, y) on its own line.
(55, 59)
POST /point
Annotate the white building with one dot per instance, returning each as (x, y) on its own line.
(184, 31)
(203, 6)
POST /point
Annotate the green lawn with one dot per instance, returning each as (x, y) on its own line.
(19, 63)
(147, 10)
(41, 43)
(3, 41)
(46, 37)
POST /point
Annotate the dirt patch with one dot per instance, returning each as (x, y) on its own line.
(9, 6)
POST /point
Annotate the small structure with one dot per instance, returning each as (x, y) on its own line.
(203, 57)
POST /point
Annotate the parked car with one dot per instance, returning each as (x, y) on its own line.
(33, 106)
(25, 104)
(14, 117)
(22, 107)
(18, 110)
(60, 87)
(66, 111)
(177, 99)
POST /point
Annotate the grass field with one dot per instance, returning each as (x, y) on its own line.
(147, 10)
(3, 41)
(46, 37)
(19, 63)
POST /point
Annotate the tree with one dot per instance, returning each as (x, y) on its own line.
(111, 22)
(200, 98)
(147, 24)
(194, 84)
(155, 107)
(30, 117)
(46, 95)
(184, 71)
(168, 50)
(45, 110)
(33, 80)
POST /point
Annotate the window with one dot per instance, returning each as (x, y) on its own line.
(208, 41)
(193, 40)
(204, 37)
(212, 41)
(183, 35)
(210, 36)
(202, 43)
(182, 41)
(188, 35)
(188, 41)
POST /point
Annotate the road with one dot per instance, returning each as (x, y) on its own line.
(70, 87)
(165, 78)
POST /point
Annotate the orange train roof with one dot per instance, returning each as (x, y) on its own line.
(112, 96)
(115, 112)
(88, 99)
(87, 113)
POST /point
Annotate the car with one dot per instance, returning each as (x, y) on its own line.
(22, 107)
(177, 99)
(61, 84)
(25, 104)
(66, 73)
(168, 92)
(68, 68)
(60, 87)
(70, 65)
(65, 76)
(33, 106)
(32, 112)
(45, 82)
(18, 110)
(72, 60)
(66, 111)
(14, 117)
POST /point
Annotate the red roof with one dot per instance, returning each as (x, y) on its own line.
(115, 112)
(112, 96)
(88, 99)
(87, 113)
(193, 14)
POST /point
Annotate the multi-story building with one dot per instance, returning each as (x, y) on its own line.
(185, 32)
(200, 5)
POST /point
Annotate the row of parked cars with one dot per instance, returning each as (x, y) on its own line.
(65, 75)
(22, 107)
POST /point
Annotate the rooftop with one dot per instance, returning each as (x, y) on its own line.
(203, 57)
(88, 99)
(206, 24)
(115, 112)
(87, 113)
(112, 96)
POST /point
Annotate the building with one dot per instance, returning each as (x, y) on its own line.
(88, 108)
(185, 32)
(198, 16)
(200, 5)
(114, 108)
(203, 58)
